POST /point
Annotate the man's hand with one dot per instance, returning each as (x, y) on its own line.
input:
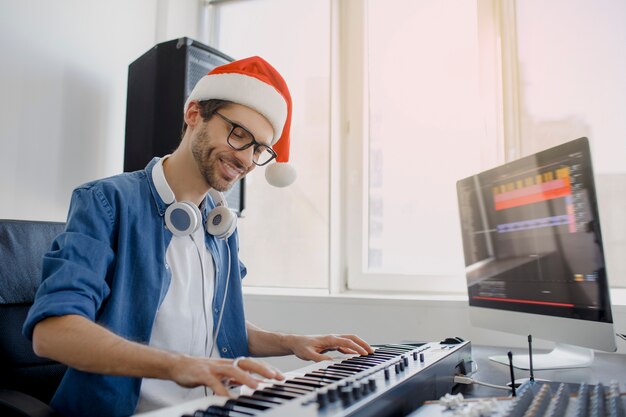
(313, 347)
(192, 372)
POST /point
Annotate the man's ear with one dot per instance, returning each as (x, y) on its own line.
(192, 114)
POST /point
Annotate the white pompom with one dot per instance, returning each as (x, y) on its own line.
(280, 174)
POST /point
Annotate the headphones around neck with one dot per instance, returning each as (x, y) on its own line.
(182, 218)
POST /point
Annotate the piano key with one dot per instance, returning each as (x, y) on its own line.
(273, 394)
(325, 376)
(216, 410)
(247, 403)
(306, 383)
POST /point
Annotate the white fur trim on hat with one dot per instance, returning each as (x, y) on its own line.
(246, 90)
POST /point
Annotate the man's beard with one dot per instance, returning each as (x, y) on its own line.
(207, 160)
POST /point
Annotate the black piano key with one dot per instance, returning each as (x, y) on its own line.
(293, 393)
(301, 386)
(217, 410)
(384, 355)
(314, 379)
(211, 413)
(334, 372)
(394, 352)
(393, 348)
(299, 381)
(247, 403)
(349, 367)
(353, 368)
(367, 363)
(273, 394)
(338, 375)
(270, 401)
(264, 399)
(291, 388)
(399, 346)
(372, 357)
(327, 377)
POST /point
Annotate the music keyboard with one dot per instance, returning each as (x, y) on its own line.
(394, 380)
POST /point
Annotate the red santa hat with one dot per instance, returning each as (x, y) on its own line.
(254, 83)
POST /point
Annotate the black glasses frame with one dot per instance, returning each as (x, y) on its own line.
(254, 143)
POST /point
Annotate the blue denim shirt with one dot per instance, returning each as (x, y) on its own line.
(109, 266)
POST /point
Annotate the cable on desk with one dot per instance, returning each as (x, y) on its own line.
(466, 380)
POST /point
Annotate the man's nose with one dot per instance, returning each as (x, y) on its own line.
(245, 157)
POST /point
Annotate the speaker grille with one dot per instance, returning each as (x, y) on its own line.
(200, 63)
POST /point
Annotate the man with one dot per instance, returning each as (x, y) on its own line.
(140, 301)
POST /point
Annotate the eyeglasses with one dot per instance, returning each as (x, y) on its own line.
(240, 138)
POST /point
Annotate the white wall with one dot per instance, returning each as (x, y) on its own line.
(63, 75)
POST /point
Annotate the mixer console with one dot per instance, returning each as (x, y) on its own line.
(536, 399)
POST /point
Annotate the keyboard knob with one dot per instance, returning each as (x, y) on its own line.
(322, 399)
(345, 393)
(372, 384)
(332, 395)
(365, 388)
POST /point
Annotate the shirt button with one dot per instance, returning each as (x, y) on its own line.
(216, 310)
(224, 350)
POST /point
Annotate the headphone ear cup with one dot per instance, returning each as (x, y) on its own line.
(221, 222)
(182, 218)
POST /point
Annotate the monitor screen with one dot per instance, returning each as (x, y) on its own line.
(532, 240)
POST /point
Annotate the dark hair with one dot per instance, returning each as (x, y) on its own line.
(207, 108)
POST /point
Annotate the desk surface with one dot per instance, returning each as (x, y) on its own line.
(605, 367)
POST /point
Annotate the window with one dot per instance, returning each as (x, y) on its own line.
(284, 235)
(443, 89)
(394, 101)
(421, 128)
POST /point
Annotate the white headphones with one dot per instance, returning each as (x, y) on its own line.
(182, 218)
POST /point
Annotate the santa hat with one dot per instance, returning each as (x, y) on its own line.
(254, 83)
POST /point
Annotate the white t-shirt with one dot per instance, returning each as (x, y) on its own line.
(184, 321)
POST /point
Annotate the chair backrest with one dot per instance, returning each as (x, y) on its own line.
(22, 246)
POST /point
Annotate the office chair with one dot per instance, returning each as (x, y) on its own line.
(27, 382)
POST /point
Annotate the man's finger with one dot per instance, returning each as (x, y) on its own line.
(362, 343)
(259, 368)
(216, 386)
(237, 375)
(347, 343)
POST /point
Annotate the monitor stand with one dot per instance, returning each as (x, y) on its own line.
(562, 356)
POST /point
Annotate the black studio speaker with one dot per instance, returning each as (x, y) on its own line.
(159, 82)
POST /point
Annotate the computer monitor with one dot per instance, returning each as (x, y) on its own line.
(533, 252)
